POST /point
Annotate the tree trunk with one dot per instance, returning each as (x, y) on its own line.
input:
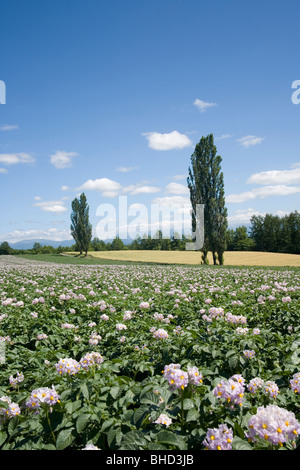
(221, 257)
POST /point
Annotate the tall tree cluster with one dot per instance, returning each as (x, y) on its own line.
(206, 185)
(81, 229)
(276, 234)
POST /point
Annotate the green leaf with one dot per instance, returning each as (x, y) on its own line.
(4, 404)
(135, 440)
(140, 414)
(82, 422)
(107, 424)
(12, 426)
(113, 437)
(240, 444)
(84, 390)
(188, 404)
(114, 391)
(149, 398)
(192, 415)
(233, 361)
(65, 438)
(49, 447)
(168, 437)
(3, 437)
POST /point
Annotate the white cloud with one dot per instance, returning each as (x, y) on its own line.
(144, 190)
(57, 207)
(224, 136)
(15, 158)
(169, 141)
(176, 213)
(9, 127)
(64, 188)
(250, 140)
(203, 105)
(276, 177)
(37, 198)
(61, 159)
(111, 188)
(265, 191)
(3, 170)
(243, 216)
(177, 188)
(172, 201)
(106, 186)
(50, 234)
(126, 169)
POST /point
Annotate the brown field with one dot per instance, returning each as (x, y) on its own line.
(231, 258)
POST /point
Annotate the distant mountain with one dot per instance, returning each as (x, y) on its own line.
(28, 244)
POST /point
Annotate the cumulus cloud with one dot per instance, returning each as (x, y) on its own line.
(172, 201)
(64, 188)
(250, 140)
(203, 105)
(144, 190)
(15, 158)
(177, 188)
(48, 234)
(61, 159)
(263, 192)
(57, 207)
(168, 141)
(243, 216)
(3, 170)
(176, 213)
(276, 177)
(106, 186)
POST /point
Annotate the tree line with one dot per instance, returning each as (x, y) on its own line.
(268, 233)
(206, 186)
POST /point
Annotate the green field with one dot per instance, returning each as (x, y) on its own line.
(147, 357)
(62, 259)
(162, 258)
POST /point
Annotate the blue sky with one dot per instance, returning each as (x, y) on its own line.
(110, 98)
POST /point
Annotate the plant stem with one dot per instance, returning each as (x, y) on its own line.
(49, 422)
(182, 412)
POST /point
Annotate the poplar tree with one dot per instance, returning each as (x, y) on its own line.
(81, 229)
(206, 185)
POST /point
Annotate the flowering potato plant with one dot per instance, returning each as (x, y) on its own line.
(159, 358)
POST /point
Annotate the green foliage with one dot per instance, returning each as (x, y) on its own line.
(276, 234)
(117, 244)
(206, 185)
(239, 239)
(5, 249)
(81, 228)
(115, 405)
